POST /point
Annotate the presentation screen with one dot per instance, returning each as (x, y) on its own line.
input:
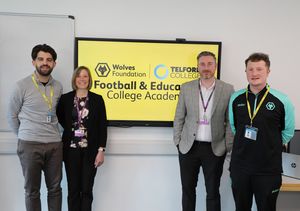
(140, 79)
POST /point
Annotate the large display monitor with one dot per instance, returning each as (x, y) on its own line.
(140, 79)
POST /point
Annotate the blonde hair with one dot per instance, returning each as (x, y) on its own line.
(76, 73)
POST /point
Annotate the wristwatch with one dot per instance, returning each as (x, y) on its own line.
(101, 149)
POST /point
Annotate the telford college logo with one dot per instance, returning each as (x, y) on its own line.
(161, 72)
(102, 69)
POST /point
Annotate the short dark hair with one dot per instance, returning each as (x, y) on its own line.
(45, 48)
(76, 73)
(206, 53)
(256, 57)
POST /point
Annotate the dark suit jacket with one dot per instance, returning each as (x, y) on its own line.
(96, 122)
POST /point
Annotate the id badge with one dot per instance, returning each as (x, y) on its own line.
(204, 120)
(49, 117)
(79, 133)
(251, 132)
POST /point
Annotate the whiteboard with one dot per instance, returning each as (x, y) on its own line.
(19, 33)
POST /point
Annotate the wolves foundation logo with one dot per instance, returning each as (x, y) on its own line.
(102, 69)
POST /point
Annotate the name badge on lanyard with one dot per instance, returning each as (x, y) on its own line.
(79, 133)
(204, 120)
(48, 101)
(49, 117)
(251, 132)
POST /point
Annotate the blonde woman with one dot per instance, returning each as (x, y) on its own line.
(82, 114)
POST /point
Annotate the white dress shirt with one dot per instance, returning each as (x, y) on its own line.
(204, 130)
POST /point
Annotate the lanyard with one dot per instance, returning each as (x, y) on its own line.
(49, 102)
(205, 105)
(77, 108)
(259, 105)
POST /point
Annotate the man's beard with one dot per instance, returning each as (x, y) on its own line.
(207, 74)
(42, 73)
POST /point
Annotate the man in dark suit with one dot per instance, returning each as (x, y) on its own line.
(202, 133)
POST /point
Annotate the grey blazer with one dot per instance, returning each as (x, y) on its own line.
(187, 117)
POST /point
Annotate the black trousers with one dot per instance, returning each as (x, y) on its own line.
(201, 155)
(80, 173)
(265, 189)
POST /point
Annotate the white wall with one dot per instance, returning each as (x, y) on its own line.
(131, 179)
